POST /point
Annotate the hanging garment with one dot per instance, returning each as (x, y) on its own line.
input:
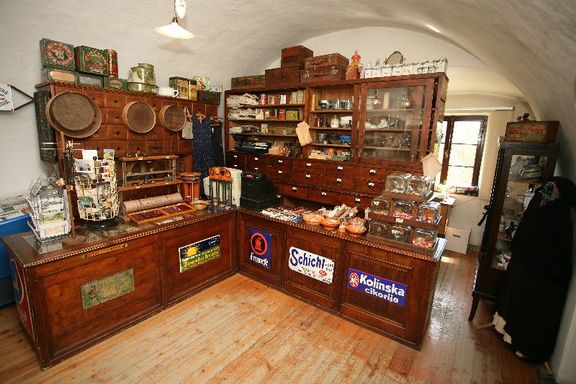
(203, 152)
(532, 296)
(217, 147)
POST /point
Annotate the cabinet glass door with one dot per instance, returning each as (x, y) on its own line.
(392, 122)
(525, 176)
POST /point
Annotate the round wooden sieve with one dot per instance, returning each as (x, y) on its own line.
(139, 116)
(73, 114)
(172, 117)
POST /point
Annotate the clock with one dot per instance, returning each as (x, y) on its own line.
(180, 8)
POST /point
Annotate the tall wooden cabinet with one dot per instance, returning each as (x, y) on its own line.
(520, 169)
(362, 130)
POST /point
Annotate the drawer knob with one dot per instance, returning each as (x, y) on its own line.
(357, 200)
(340, 168)
(372, 171)
(308, 165)
(235, 156)
(255, 168)
(278, 196)
(324, 194)
(256, 159)
(371, 185)
(338, 180)
(280, 172)
(294, 189)
(235, 165)
(307, 176)
(280, 161)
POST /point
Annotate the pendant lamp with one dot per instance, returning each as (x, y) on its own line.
(174, 30)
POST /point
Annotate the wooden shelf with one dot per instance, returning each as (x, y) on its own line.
(264, 134)
(331, 145)
(258, 106)
(144, 158)
(331, 129)
(135, 174)
(151, 185)
(410, 222)
(390, 130)
(332, 111)
(385, 148)
(407, 197)
(265, 120)
(389, 110)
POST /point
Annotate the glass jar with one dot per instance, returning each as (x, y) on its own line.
(424, 238)
(334, 122)
(429, 212)
(403, 209)
(396, 182)
(380, 205)
(378, 228)
(400, 233)
(419, 185)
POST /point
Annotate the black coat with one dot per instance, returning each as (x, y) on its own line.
(532, 296)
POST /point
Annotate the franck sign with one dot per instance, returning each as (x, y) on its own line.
(260, 247)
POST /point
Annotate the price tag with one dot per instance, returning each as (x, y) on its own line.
(399, 220)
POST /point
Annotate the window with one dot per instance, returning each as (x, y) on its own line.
(460, 149)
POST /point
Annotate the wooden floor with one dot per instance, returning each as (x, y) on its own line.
(241, 331)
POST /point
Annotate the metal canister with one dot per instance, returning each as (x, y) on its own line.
(112, 63)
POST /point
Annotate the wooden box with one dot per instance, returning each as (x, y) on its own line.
(57, 54)
(532, 131)
(282, 77)
(209, 96)
(254, 81)
(326, 60)
(323, 73)
(295, 56)
(91, 60)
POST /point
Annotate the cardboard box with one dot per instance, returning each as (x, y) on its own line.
(457, 239)
(295, 56)
(532, 131)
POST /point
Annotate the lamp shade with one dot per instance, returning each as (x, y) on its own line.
(174, 30)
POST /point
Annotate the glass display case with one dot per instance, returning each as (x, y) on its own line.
(520, 169)
(392, 124)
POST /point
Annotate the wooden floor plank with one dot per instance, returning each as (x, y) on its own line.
(242, 331)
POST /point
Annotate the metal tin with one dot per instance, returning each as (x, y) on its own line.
(181, 84)
(112, 63)
(142, 73)
(92, 80)
(56, 54)
(142, 87)
(57, 74)
(115, 83)
(91, 60)
(192, 90)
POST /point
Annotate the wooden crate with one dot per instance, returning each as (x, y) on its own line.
(281, 77)
(532, 131)
(295, 56)
(209, 97)
(326, 60)
(253, 81)
(323, 74)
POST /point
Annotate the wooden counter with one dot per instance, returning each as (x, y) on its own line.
(71, 298)
(377, 285)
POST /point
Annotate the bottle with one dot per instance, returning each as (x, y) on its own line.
(334, 122)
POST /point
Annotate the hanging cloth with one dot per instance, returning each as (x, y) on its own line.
(203, 152)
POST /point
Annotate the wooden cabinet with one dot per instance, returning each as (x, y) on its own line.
(520, 169)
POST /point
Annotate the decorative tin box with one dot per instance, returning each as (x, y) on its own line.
(91, 60)
(255, 81)
(193, 90)
(295, 56)
(279, 77)
(326, 60)
(57, 54)
(56, 74)
(181, 84)
(87, 79)
(115, 83)
(532, 131)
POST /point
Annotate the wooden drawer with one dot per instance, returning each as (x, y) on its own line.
(96, 96)
(154, 147)
(340, 170)
(324, 197)
(112, 116)
(198, 107)
(372, 173)
(136, 146)
(256, 163)
(86, 296)
(116, 132)
(288, 190)
(305, 178)
(100, 134)
(235, 160)
(279, 162)
(119, 146)
(308, 166)
(362, 202)
(131, 135)
(370, 187)
(184, 147)
(278, 175)
(204, 267)
(157, 133)
(211, 110)
(114, 100)
(345, 183)
(155, 103)
(169, 147)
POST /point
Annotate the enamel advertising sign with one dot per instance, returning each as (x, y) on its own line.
(377, 286)
(198, 253)
(312, 265)
(260, 247)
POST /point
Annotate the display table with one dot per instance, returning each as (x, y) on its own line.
(71, 298)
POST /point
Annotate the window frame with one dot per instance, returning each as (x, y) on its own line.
(450, 121)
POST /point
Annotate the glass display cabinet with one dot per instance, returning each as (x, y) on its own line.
(520, 169)
(392, 124)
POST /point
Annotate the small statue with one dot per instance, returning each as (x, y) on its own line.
(354, 68)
